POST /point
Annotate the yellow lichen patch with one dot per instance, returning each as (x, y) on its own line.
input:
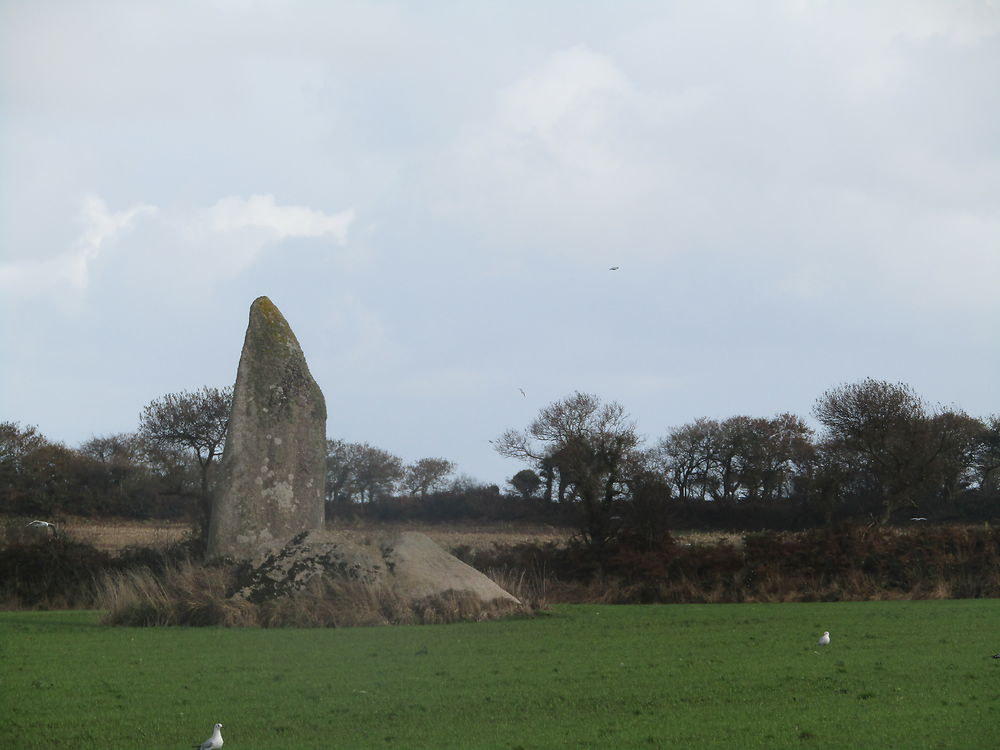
(270, 331)
(271, 316)
(267, 309)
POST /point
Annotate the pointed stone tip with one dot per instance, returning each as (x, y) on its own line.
(270, 331)
(263, 308)
(263, 304)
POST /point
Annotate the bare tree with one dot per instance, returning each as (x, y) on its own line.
(688, 457)
(762, 455)
(426, 475)
(341, 467)
(195, 422)
(886, 431)
(957, 467)
(986, 459)
(121, 455)
(376, 472)
(741, 459)
(16, 443)
(588, 444)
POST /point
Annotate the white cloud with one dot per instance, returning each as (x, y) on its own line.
(561, 126)
(570, 95)
(187, 42)
(219, 241)
(234, 233)
(560, 159)
(260, 212)
(868, 45)
(72, 268)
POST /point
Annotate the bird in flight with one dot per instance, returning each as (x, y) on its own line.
(614, 268)
(214, 742)
(40, 525)
(522, 392)
(824, 639)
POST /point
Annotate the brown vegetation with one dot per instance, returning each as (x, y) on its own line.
(538, 564)
(835, 564)
(113, 535)
(190, 594)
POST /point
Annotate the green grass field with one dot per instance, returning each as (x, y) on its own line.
(907, 674)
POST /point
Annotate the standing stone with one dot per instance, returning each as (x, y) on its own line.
(272, 473)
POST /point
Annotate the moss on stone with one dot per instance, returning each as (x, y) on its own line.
(272, 339)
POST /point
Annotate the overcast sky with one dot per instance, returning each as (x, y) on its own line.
(798, 194)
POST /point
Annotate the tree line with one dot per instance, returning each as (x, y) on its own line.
(882, 454)
(166, 468)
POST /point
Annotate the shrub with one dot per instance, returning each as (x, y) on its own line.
(54, 573)
(842, 563)
(42, 570)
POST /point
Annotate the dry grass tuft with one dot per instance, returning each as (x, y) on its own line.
(184, 594)
(190, 594)
(529, 585)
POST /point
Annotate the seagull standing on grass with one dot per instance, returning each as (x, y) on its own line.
(824, 640)
(214, 742)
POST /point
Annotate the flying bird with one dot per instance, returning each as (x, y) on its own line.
(522, 392)
(214, 742)
(918, 518)
(614, 268)
(824, 640)
(40, 525)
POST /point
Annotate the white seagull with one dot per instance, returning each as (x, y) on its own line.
(824, 640)
(40, 525)
(214, 742)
